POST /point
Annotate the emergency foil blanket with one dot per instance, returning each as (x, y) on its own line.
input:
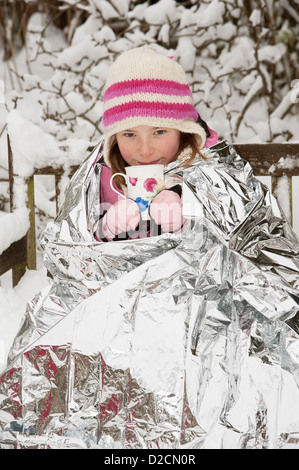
(186, 340)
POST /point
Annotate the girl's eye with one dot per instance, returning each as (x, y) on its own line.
(128, 134)
(160, 131)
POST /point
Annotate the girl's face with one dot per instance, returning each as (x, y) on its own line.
(147, 145)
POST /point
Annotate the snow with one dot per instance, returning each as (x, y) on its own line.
(283, 190)
(272, 54)
(211, 14)
(33, 148)
(187, 53)
(2, 92)
(161, 12)
(284, 105)
(23, 134)
(106, 9)
(255, 17)
(240, 55)
(38, 142)
(16, 226)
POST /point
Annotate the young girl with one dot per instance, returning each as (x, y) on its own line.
(180, 341)
(149, 118)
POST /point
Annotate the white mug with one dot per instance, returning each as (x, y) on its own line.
(144, 182)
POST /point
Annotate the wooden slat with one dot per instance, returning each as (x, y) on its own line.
(15, 255)
(267, 159)
(59, 171)
(31, 239)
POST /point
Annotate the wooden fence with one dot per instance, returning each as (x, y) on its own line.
(275, 160)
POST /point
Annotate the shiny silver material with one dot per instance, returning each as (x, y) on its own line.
(185, 340)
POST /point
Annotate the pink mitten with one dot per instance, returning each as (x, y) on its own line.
(166, 210)
(123, 216)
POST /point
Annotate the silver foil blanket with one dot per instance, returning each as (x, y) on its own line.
(183, 340)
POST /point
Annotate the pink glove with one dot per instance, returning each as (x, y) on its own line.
(166, 210)
(123, 216)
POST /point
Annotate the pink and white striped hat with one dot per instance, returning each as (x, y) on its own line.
(144, 87)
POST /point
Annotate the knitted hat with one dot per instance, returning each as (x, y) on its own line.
(143, 88)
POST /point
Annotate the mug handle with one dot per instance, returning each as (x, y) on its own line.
(111, 185)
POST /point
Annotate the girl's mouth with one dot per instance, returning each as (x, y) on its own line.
(150, 163)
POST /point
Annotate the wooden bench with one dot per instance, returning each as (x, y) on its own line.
(275, 160)
(21, 254)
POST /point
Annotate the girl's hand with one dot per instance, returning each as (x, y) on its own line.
(166, 210)
(123, 216)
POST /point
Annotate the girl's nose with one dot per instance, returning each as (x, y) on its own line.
(146, 148)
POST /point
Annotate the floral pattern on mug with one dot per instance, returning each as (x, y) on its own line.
(150, 184)
(143, 205)
(159, 186)
(133, 181)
